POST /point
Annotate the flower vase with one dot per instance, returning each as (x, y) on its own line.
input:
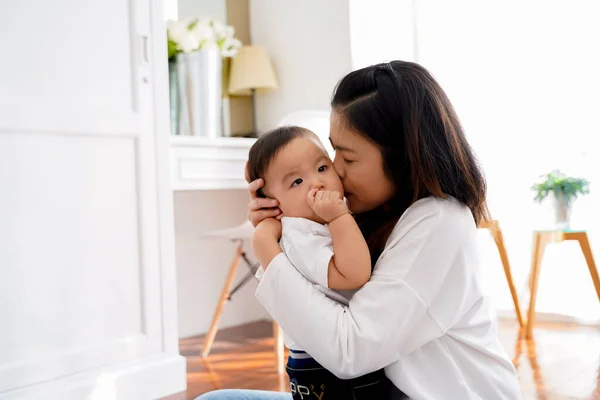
(200, 87)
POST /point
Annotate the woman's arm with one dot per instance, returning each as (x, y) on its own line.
(391, 315)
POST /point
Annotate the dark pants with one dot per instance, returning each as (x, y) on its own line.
(310, 381)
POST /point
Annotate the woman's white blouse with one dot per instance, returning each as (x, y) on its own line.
(422, 316)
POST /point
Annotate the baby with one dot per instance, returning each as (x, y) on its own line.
(320, 238)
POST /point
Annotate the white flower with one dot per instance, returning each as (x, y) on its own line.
(190, 34)
(222, 31)
(217, 27)
(228, 32)
(204, 34)
(177, 30)
(188, 43)
(230, 47)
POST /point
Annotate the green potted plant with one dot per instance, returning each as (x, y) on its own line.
(565, 191)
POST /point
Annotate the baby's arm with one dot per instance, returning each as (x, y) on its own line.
(350, 266)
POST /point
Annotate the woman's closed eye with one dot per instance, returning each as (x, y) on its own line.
(297, 182)
(347, 161)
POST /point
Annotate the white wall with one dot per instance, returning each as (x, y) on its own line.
(381, 31)
(202, 8)
(202, 264)
(309, 44)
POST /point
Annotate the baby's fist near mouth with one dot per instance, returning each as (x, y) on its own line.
(328, 205)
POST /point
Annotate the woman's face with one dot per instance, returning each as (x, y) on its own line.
(359, 164)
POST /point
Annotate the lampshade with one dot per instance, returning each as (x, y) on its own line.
(251, 69)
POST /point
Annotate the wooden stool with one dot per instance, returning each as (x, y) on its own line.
(540, 240)
(496, 232)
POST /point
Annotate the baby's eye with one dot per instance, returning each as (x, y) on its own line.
(297, 182)
(322, 168)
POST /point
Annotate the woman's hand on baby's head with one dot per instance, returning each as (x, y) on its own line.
(327, 204)
(260, 208)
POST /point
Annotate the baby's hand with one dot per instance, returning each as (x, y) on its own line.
(326, 204)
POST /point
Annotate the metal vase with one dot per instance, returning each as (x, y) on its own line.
(200, 88)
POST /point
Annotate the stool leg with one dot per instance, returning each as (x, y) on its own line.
(499, 239)
(536, 260)
(589, 258)
(212, 331)
(279, 352)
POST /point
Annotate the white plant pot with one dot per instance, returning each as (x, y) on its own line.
(562, 212)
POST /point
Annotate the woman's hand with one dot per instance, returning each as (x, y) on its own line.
(260, 208)
(265, 241)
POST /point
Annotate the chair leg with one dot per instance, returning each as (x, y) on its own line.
(589, 258)
(499, 239)
(212, 332)
(279, 351)
(539, 244)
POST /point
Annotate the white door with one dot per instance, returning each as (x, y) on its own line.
(86, 257)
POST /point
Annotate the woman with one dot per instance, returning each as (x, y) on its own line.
(418, 194)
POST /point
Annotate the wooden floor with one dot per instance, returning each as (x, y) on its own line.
(563, 362)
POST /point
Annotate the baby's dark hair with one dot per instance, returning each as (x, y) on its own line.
(266, 148)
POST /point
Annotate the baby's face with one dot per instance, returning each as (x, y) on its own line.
(303, 164)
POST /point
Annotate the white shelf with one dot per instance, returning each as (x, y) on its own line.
(199, 163)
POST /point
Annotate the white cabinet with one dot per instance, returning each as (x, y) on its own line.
(87, 284)
(209, 164)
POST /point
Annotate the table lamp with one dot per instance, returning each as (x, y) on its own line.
(251, 70)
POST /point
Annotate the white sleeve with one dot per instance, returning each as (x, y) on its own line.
(310, 253)
(387, 318)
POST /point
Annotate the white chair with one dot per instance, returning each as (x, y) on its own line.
(314, 120)
(238, 234)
